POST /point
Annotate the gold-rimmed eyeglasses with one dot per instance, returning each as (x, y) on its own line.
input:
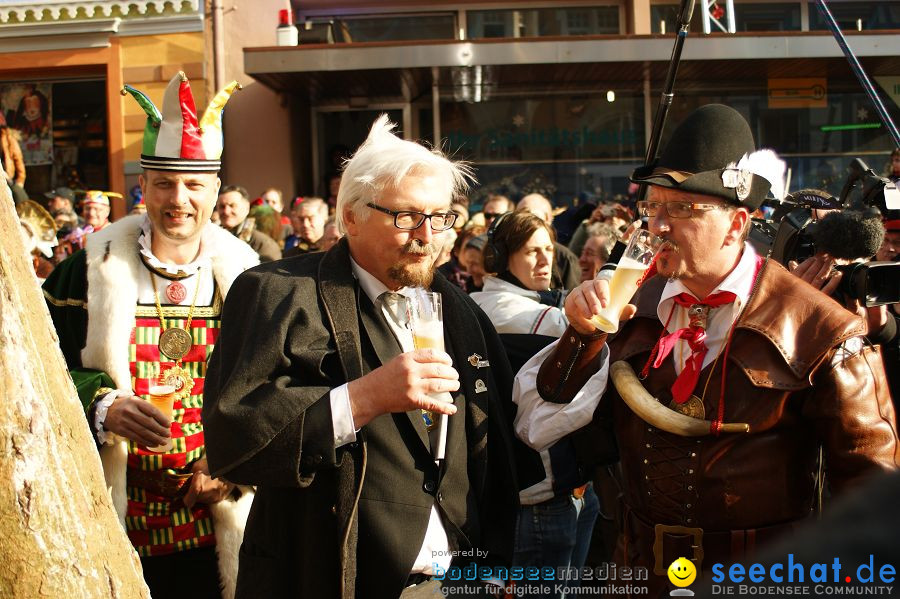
(677, 209)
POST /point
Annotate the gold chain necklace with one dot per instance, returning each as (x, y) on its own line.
(175, 343)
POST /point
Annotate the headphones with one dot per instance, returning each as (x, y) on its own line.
(495, 255)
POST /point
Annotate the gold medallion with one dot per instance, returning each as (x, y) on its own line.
(179, 378)
(175, 343)
(693, 407)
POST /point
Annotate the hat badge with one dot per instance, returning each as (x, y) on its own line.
(740, 180)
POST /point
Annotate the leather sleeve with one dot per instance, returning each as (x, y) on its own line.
(854, 417)
(574, 360)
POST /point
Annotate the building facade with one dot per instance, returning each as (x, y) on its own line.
(549, 96)
(559, 97)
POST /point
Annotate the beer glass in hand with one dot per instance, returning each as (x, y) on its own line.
(427, 322)
(639, 253)
(162, 397)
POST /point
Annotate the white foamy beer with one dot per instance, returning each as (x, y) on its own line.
(162, 397)
(639, 253)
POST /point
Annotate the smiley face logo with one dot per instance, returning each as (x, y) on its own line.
(682, 572)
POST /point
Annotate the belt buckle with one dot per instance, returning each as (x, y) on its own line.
(660, 568)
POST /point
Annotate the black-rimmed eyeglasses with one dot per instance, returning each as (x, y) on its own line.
(409, 220)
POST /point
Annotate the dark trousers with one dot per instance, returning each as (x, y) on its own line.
(193, 573)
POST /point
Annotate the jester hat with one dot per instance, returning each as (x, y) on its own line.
(175, 140)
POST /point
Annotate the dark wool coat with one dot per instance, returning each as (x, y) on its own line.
(294, 330)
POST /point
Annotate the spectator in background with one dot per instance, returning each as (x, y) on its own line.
(566, 272)
(600, 241)
(894, 166)
(233, 208)
(330, 236)
(456, 270)
(273, 197)
(333, 185)
(462, 210)
(137, 201)
(267, 220)
(557, 515)
(473, 258)
(495, 206)
(614, 214)
(449, 240)
(517, 298)
(95, 209)
(61, 205)
(308, 218)
(13, 171)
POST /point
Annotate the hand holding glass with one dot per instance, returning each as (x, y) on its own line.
(639, 253)
(427, 322)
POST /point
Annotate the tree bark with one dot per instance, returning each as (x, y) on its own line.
(59, 534)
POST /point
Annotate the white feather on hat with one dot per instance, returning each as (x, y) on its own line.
(766, 164)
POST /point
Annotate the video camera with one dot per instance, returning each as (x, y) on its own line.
(851, 229)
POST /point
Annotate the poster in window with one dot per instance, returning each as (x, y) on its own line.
(27, 108)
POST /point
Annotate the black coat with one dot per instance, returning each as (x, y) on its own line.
(291, 332)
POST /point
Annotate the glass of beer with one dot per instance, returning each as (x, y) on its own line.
(639, 253)
(427, 320)
(427, 323)
(162, 397)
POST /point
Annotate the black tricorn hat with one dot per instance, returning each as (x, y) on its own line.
(712, 152)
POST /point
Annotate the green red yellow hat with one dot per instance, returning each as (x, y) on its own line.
(175, 140)
(95, 196)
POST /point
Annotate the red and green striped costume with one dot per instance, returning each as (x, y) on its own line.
(155, 524)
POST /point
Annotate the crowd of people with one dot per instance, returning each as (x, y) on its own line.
(300, 454)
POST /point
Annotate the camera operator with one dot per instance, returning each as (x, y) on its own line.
(842, 237)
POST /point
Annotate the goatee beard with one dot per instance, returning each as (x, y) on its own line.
(415, 275)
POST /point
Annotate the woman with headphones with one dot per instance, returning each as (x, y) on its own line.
(517, 298)
(557, 515)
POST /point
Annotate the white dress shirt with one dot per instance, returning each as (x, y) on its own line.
(435, 542)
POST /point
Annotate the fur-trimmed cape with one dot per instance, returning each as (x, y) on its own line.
(112, 270)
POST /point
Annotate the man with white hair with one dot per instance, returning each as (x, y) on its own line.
(566, 271)
(318, 397)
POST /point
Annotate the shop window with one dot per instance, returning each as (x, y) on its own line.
(567, 147)
(767, 17)
(664, 18)
(858, 15)
(542, 22)
(390, 28)
(63, 132)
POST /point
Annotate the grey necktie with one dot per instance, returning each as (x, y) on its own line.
(396, 306)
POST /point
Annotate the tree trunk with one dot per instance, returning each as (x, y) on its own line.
(59, 534)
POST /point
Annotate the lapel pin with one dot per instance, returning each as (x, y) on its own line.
(480, 387)
(476, 361)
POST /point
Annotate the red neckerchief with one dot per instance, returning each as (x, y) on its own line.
(694, 363)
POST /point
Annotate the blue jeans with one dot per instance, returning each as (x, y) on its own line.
(556, 534)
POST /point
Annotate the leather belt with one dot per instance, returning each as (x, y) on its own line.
(669, 542)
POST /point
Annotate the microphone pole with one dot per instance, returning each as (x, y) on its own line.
(662, 111)
(858, 71)
(668, 94)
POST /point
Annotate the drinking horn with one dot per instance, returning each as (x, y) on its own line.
(650, 410)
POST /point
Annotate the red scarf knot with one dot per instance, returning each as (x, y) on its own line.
(695, 335)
